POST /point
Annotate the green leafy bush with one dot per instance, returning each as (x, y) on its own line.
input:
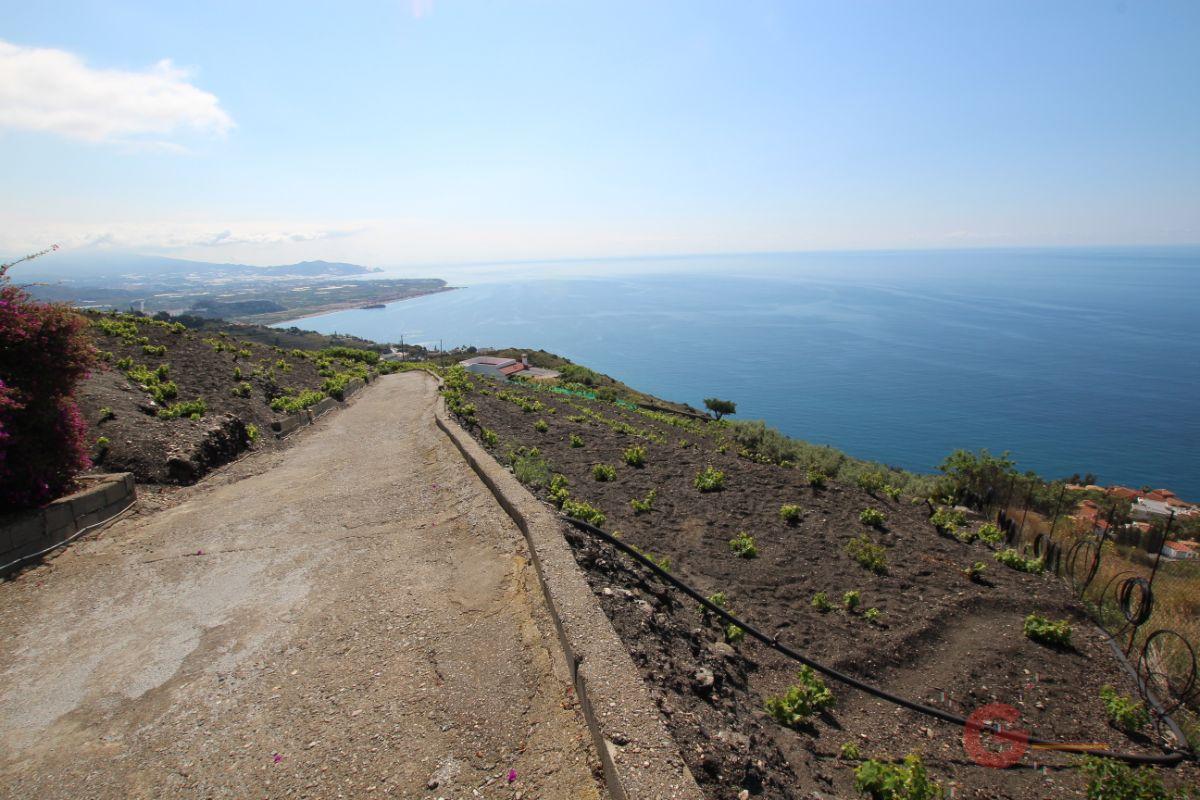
(635, 456)
(252, 432)
(870, 482)
(1123, 711)
(102, 442)
(1045, 631)
(604, 472)
(1109, 779)
(849, 752)
(241, 390)
(541, 426)
(990, 533)
(644, 505)
(529, 467)
(1011, 558)
(851, 600)
(576, 440)
(192, 409)
(743, 545)
(734, 633)
(816, 478)
(820, 602)
(804, 699)
(294, 404)
(790, 513)
(106, 414)
(558, 489)
(882, 780)
(873, 517)
(710, 480)
(581, 510)
(947, 520)
(489, 437)
(966, 535)
(892, 492)
(154, 349)
(975, 571)
(872, 615)
(868, 554)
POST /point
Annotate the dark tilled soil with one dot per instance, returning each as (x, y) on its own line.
(180, 451)
(941, 639)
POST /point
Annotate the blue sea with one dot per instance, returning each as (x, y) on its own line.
(1075, 360)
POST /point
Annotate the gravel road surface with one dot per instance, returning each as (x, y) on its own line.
(352, 616)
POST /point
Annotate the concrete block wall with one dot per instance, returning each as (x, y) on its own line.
(31, 532)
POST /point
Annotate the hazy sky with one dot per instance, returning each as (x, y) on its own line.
(396, 132)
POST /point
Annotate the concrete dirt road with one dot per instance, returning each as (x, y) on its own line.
(352, 616)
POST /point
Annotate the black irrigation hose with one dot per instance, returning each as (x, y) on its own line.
(1168, 760)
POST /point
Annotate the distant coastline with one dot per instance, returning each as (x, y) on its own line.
(293, 315)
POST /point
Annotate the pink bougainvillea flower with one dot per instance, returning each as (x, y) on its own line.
(512, 775)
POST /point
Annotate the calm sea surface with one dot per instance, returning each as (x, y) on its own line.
(1074, 360)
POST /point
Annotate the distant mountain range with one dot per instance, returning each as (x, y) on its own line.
(92, 267)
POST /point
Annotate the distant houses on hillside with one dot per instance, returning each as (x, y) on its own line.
(504, 369)
(1148, 513)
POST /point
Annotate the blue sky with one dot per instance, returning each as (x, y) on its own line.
(390, 133)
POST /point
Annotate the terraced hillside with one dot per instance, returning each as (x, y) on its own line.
(168, 404)
(854, 574)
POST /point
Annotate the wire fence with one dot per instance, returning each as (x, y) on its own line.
(1149, 603)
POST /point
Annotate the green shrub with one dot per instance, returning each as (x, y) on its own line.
(1011, 558)
(644, 505)
(851, 600)
(872, 615)
(576, 440)
(1123, 711)
(947, 520)
(102, 442)
(106, 414)
(237, 373)
(790, 513)
(1109, 779)
(881, 780)
(870, 482)
(635, 456)
(821, 602)
(990, 533)
(489, 437)
(873, 517)
(541, 426)
(294, 404)
(868, 554)
(530, 468)
(558, 489)
(710, 480)
(604, 472)
(241, 390)
(816, 478)
(193, 409)
(804, 699)
(966, 535)
(734, 633)
(743, 545)
(125, 363)
(581, 510)
(849, 752)
(975, 571)
(252, 432)
(154, 349)
(1045, 631)
(892, 493)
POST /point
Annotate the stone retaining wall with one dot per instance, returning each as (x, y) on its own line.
(641, 761)
(31, 532)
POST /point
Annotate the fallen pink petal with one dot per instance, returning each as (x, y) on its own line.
(277, 758)
(512, 775)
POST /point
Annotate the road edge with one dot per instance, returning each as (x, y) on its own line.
(640, 758)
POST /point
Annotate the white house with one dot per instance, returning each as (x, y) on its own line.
(1180, 550)
(1146, 509)
(503, 369)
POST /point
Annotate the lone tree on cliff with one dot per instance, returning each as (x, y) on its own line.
(720, 407)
